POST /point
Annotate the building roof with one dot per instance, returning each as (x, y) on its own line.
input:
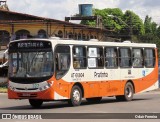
(8, 17)
(26, 16)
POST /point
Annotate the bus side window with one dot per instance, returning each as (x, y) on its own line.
(149, 57)
(95, 57)
(79, 57)
(137, 55)
(125, 57)
(111, 57)
(62, 60)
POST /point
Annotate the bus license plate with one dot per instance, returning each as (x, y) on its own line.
(26, 94)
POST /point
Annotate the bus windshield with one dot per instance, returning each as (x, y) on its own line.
(31, 64)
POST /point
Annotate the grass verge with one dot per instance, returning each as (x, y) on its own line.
(3, 90)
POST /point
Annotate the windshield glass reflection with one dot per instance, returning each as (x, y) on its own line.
(31, 64)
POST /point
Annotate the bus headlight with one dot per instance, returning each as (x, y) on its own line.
(48, 85)
(11, 88)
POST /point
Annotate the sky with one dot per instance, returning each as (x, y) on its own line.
(58, 9)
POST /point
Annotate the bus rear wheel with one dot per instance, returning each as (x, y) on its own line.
(128, 93)
(94, 100)
(76, 96)
(35, 103)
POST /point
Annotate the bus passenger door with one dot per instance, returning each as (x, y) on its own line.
(111, 64)
(114, 83)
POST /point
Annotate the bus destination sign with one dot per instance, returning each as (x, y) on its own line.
(32, 44)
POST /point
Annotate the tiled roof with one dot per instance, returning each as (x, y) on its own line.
(43, 19)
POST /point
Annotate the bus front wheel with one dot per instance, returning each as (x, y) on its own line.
(128, 93)
(76, 96)
(35, 103)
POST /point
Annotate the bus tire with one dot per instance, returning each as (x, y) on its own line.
(94, 100)
(35, 103)
(76, 96)
(128, 93)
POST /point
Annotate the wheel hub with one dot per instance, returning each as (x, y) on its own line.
(76, 96)
(128, 92)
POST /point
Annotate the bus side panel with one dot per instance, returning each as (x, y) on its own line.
(116, 87)
(146, 82)
(91, 89)
(106, 87)
(149, 80)
(62, 88)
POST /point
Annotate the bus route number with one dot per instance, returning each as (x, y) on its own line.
(77, 75)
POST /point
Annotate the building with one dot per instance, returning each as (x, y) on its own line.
(14, 25)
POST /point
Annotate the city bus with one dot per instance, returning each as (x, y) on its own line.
(42, 70)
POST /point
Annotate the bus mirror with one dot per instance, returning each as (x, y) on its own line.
(5, 56)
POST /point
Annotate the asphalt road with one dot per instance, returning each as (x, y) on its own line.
(148, 102)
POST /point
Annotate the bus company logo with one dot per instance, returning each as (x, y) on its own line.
(6, 116)
(143, 72)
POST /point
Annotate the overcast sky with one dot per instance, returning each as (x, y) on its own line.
(58, 9)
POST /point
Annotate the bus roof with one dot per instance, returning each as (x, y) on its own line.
(98, 43)
(56, 41)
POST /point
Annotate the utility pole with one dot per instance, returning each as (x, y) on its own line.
(129, 26)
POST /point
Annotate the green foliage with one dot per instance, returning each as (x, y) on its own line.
(89, 22)
(158, 32)
(122, 23)
(152, 32)
(128, 25)
(134, 23)
(154, 28)
(3, 90)
(107, 22)
(148, 24)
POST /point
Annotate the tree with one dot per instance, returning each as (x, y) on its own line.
(154, 28)
(134, 23)
(124, 25)
(107, 22)
(128, 25)
(148, 24)
(158, 32)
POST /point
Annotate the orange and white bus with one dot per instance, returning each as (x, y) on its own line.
(53, 69)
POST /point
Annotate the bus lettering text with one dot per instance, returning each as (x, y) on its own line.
(77, 75)
(100, 74)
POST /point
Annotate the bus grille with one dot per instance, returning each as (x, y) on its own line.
(26, 89)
